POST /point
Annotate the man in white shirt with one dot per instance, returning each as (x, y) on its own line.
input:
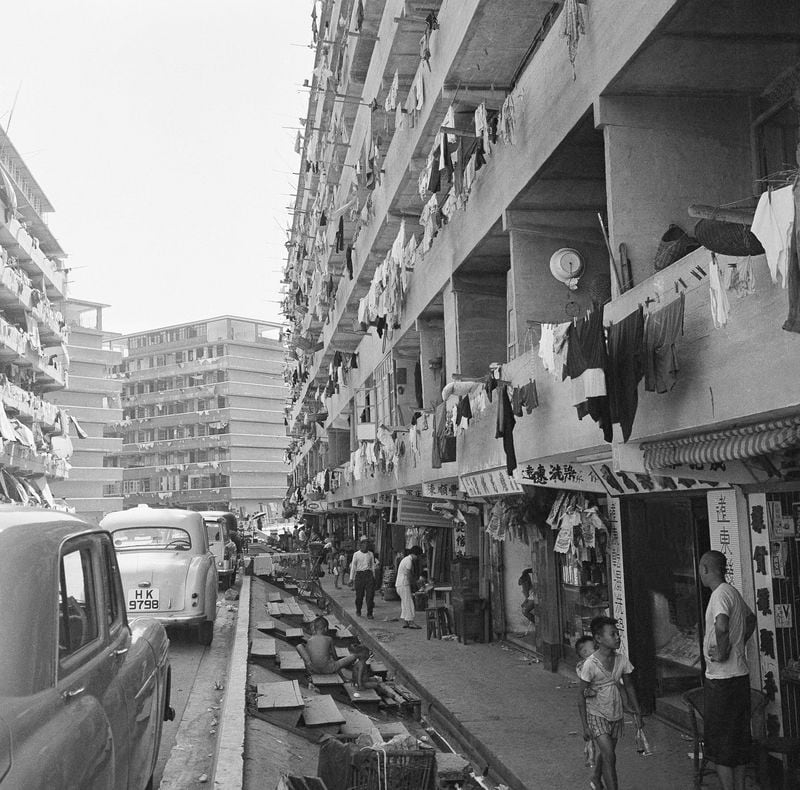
(405, 573)
(362, 575)
(729, 624)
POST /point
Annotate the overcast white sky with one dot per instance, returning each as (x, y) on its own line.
(154, 127)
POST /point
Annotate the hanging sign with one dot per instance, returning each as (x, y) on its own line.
(618, 611)
(620, 483)
(566, 476)
(495, 482)
(723, 527)
(440, 490)
(769, 614)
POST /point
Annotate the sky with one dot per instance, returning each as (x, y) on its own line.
(155, 128)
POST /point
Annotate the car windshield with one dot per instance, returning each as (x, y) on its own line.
(159, 538)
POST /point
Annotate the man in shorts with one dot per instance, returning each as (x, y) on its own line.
(729, 624)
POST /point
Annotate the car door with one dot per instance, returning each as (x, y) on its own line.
(135, 687)
(87, 666)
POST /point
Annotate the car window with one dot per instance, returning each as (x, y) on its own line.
(215, 531)
(113, 608)
(155, 538)
(77, 605)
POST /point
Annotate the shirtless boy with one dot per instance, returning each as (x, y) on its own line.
(319, 653)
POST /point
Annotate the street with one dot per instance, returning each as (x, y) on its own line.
(187, 742)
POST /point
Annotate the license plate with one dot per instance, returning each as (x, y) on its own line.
(143, 599)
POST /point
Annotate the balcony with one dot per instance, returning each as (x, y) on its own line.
(27, 407)
(18, 348)
(19, 459)
(185, 443)
(190, 496)
(25, 249)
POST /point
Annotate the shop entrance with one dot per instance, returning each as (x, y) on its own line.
(663, 539)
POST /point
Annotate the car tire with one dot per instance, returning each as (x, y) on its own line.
(205, 633)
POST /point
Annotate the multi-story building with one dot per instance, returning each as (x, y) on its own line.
(482, 181)
(202, 422)
(34, 433)
(93, 399)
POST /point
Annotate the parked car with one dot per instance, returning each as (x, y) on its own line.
(222, 527)
(83, 693)
(168, 570)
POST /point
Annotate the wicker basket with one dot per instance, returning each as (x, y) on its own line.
(727, 238)
(404, 770)
(674, 244)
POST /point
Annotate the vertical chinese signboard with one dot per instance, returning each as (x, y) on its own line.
(617, 570)
(723, 528)
(769, 613)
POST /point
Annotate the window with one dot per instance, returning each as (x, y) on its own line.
(77, 622)
(384, 392)
(152, 538)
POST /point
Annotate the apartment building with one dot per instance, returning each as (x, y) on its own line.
(202, 421)
(35, 434)
(93, 399)
(483, 267)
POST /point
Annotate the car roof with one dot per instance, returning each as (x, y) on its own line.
(144, 516)
(49, 528)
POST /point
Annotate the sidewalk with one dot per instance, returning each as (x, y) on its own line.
(507, 712)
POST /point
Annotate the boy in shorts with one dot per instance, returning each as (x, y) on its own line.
(608, 674)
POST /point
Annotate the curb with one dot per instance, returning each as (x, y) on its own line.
(229, 756)
(439, 715)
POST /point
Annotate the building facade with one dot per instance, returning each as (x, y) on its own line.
(93, 399)
(202, 421)
(492, 312)
(35, 434)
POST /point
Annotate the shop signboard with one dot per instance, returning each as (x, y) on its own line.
(565, 476)
(617, 570)
(770, 614)
(723, 528)
(495, 482)
(621, 482)
(442, 490)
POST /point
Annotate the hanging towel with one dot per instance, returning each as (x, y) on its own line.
(717, 295)
(772, 226)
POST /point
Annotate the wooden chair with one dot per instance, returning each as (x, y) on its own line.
(764, 745)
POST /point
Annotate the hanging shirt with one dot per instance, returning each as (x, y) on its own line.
(661, 331)
(553, 348)
(718, 297)
(772, 226)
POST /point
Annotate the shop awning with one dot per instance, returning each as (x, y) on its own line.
(416, 512)
(734, 444)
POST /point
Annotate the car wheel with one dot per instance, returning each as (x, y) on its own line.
(205, 632)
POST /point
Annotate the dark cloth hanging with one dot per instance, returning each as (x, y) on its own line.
(792, 323)
(354, 362)
(661, 331)
(437, 423)
(490, 386)
(348, 261)
(625, 369)
(586, 352)
(505, 429)
(465, 408)
(418, 384)
(339, 241)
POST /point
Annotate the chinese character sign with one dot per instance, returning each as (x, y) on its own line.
(723, 527)
(617, 570)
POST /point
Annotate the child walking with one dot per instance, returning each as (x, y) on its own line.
(340, 570)
(584, 647)
(608, 674)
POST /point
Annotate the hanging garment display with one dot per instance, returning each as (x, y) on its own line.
(661, 331)
(772, 225)
(625, 369)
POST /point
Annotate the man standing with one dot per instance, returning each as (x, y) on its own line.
(362, 568)
(405, 573)
(729, 624)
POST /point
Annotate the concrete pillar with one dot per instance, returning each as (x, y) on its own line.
(431, 354)
(662, 155)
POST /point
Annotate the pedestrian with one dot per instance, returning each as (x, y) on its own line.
(608, 673)
(528, 597)
(405, 573)
(729, 624)
(329, 555)
(341, 568)
(362, 576)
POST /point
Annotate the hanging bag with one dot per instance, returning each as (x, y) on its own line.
(674, 244)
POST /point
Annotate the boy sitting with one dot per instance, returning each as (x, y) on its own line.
(361, 675)
(319, 653)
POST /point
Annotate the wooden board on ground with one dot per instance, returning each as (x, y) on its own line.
(452, 767)
(342, 652)
(274, 597)
(365, 699)
(282, 695)
(356, 724)
(290, 661)
(288, 631)
(263, 647)
(320, 681)
(265, 625)
(321, 711)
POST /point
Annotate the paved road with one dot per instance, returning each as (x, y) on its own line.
(198, 673)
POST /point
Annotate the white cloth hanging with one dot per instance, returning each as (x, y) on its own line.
(773, 224)
(718, 296)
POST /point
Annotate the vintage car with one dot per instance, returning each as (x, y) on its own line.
(168, 571)
(222, 526)
(83, 693)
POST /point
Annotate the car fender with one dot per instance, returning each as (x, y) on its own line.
(212, 585)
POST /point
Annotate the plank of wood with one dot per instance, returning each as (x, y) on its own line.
(288, 631)
(263, 647)
(342, 652)
(389, 729)
(327, 680)
(378, 668)
(361, 696)
(274, 597)
(290, 660)
(321, 710)
(266, 625)
(280, 695)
